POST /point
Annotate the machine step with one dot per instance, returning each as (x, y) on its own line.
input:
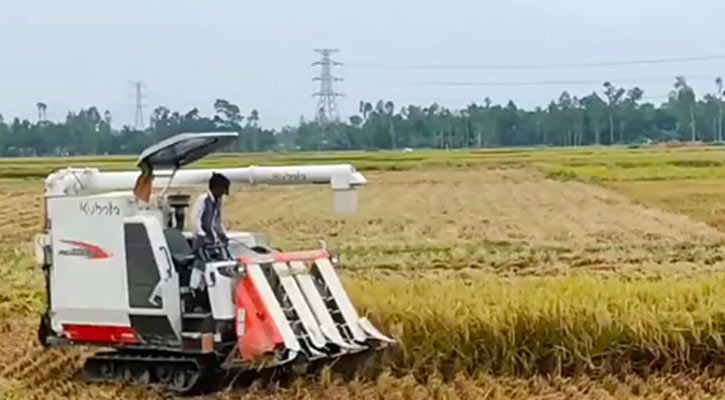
(197, 322)
(197, 315)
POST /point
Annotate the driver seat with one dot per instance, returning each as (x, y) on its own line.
(181, 254)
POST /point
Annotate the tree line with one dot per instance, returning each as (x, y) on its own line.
(614, 115)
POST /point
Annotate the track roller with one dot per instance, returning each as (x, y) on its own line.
(180, 374)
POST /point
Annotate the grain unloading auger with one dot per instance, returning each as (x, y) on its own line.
(118, 265)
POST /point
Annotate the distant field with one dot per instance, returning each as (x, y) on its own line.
(503, 221)
(501, 273)
(605, 164)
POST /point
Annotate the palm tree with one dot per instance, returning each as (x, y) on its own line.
(252, 120)
(685, 97)
(720, 92)
(42, 107)
(614, 96)
(389, 111)
(366, 108)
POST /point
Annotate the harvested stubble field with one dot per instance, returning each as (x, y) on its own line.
(505, 274)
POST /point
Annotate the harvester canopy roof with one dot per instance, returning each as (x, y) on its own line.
(185, 148)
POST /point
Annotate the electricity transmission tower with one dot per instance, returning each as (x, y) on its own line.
(138, 122)
(327, 104)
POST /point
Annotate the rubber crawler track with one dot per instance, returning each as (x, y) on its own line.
(181, 374)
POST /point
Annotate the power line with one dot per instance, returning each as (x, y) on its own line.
(510, 83)
(586, 82)
(327, 110)
(651, 61)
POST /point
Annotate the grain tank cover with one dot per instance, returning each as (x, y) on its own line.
(183, 149)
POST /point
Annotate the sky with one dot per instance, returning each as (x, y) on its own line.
(258, 54)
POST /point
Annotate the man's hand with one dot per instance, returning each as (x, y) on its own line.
(207, 240)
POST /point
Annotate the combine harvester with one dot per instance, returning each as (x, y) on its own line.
(118, 267)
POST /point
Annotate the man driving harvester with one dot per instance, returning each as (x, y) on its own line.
(207, 215)
(209, 232)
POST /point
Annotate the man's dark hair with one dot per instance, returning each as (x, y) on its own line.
(219, 180)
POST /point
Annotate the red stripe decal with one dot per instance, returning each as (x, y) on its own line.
(93, 252)
(100, 334)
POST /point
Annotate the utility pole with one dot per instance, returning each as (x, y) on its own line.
(138, 122)
(327, 104)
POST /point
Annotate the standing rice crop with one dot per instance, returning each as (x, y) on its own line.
(559, 325)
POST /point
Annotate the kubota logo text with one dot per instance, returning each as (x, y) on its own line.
(96, 208)
(83, 249)
(289, 176)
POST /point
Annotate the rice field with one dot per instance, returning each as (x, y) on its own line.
(548, 274)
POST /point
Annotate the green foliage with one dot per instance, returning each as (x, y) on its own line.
(87, 132)
(616, 116)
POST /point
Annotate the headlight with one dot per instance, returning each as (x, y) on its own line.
(335, 260)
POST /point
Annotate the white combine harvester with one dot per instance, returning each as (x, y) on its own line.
(118, 261)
